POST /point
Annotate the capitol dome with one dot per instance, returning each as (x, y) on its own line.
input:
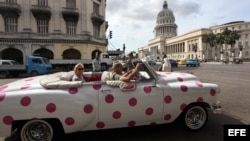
(166, 26)
(165, 12)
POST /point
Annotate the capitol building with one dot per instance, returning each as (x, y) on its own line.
(180, 47)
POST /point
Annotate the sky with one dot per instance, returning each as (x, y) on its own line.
(132, 22)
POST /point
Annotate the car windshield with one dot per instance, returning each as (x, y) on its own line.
(150, 70)
(45, 60)
(15, 62)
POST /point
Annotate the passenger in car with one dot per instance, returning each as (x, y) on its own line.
(78, 76)
(126, 77)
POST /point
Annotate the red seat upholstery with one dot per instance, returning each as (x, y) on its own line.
(94, 77)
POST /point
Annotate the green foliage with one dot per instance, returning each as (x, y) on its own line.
(225, 37)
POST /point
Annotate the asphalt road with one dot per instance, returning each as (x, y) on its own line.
(234, 82)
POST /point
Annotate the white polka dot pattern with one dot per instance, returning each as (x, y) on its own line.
(99, 106)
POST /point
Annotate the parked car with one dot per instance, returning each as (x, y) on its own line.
(182, 62)
(173, 63)
(42, 107)
(152, 62)
(192, 63)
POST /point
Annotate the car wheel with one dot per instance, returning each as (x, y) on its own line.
(195, 117)
(3, 74)
(104, 67)
(37, 130)
(34, 73)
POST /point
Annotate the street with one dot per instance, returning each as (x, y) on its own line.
(234, 82)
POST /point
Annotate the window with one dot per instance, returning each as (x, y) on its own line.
(6, 63)
(246, 44)
(246, 36)
(43, 3)
(37, 61)
(71, 4)
(11, 1)
(105, 56)
(71, 27)
(96, 8)
(11, 24)
(42, 25)
(239, 44)
(96, 30)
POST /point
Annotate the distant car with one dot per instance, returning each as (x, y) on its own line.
(182, 62)
(173, 63)
(192, 63)
(152, 62)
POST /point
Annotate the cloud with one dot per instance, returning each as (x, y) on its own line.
(133, 21)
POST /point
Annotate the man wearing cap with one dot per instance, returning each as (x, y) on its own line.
(117, 72)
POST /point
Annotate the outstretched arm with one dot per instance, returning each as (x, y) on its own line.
(129, 76)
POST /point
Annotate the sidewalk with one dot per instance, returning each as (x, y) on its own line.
(222, 63)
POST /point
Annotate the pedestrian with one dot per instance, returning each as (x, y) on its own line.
(96, 63)
(165, 64)
(129, 63)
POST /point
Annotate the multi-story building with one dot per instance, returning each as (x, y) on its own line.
(56, 29)
(182, 46)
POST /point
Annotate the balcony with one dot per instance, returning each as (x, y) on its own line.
(40, 10)
(70, 13)
(96, 18)
(6, 8)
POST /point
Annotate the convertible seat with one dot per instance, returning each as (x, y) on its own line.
(88, 76)
(123, 85)
(64, 79)
(53, 81)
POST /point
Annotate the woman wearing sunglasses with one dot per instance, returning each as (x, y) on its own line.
(78, 69)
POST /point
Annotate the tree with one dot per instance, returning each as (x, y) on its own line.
(205, 39)
(209, 38)
(231, 39)
(220, 40)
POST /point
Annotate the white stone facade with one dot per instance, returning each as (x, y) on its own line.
(181, 47)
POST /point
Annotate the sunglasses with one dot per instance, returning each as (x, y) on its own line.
(80, 68)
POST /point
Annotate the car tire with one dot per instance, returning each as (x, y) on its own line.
(195, 117)
(3, 74)
(104, 67)
(34, 73)
(39, 130)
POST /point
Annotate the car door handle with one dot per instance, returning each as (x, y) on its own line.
(106, 90)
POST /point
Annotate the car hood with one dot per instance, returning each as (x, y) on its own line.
(173, 77)
(29, 83)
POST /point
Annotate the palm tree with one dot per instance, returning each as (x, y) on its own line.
(205, 39)
(220, 40)
(231, 39)
(212, 41)
(226, 33)
(209, 38)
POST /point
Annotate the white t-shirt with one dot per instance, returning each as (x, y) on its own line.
(96, 65)
(77, 78)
